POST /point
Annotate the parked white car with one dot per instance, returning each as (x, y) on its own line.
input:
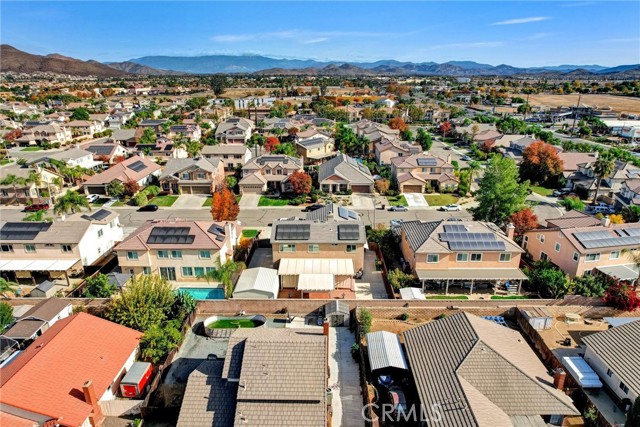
(92, 198)
(452, 207)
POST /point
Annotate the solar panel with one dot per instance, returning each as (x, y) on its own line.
(629, 232)
(293, 231)
(343, 213)
(101, 214)
(23, 231)
(454, 228)
(427, 161)
(171, 235)
(100, 150)
(464, 237)
(348, 232)
(479, 245)
(137, 166)
(216, 229)
(353, 215)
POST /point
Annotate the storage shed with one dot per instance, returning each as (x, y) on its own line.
(538, 317)
(337, 313)
(257, 283)
(46, 289)
(385, 351)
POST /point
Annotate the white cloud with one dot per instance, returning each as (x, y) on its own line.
(467, 45)
(521, 20)
(314, 41)
(310, 36)
(538, 36)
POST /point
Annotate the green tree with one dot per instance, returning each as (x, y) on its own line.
(218, 84)
(159, 340)
(631, 213)
(633, 417)
(256, 140)
(232, 181)
(148, 137)
(572, 203)
(224, 273)
(140, 199)
(80, 114)
(71, 202)
(286, 148)
(6, 315)
(602, 168)
(590, 286)
(399, 279)
(365, 319)
(345, 138)
(500, 192)
(407, 135)
(99, 287)
(6, 286)
(115, 188)
(548, 280)
(424, 139)
(37, 216)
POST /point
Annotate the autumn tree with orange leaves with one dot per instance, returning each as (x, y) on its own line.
(224, 206)
(271, 143)
(541, 163)
(300, 182)
(445, 128)
(523, 220)
(398, 123)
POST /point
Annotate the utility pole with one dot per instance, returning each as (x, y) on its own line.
(575, 115)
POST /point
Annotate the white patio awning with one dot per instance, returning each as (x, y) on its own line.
(296, 266)
(315, 282)
(472, 274)
(582, 372)
(37, 264)
(620, 272)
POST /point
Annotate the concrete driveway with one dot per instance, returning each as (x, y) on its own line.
(416, 200)
(189, 201)
(362, 201)
(249, 201)
(371, 286)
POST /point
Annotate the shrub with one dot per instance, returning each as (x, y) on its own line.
(140, 199)
(153, 190)
(365, 318)
(404, 316)
(99, 287)
(399, 279)
(622, 297)
(6, 315)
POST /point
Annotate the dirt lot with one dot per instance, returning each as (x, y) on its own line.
(619, 104)
(395, 326)
(240, 92)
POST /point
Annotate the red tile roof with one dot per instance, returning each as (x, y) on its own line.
(47, 377)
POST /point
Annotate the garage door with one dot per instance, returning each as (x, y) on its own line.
(412, 188)
(361, 189)
(96, 189)
(251, 189)
(197, 189)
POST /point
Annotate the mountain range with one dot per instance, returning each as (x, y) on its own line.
(19, 61)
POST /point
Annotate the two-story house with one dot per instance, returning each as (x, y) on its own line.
(84, 128)
(467, 254)
(315, 149)
(317, 257)
(192, 132)
(109, 152)
(45, 133)
(343, 174)
(192, 176)
(137, 169)
(374, 132)
(52, 250)
(156, 125)
(72, 157)
(269, 171)
(580, 244)
(24, 183)
(233, 156)
(417, 171)
(387, 149)
(178, 250)
(235, 130)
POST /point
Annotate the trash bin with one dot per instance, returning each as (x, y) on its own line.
(383, 206)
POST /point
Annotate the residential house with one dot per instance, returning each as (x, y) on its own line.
(192, 176)
(164, 148)
(64, 376)
(466, 132)
(269, 171)
(571, 162)
(580, 244)
(156, 125)
(178, 250)
(233, 156)
(38, 319)
(437, 116)
(107, 152)
(487, 138)
(137, 169)
(344, 174)
(317, 257)
(32, 178)
(416, 172)
(585, 181)
(72, 157)
(484, 375)
(33, 250)
(235, 130)
(84, 128)
(315, 149)
(374, 132)
(387, 149)
(613, 355)
(192, 132)
(466, 254)
(45, 134)
(253, 387)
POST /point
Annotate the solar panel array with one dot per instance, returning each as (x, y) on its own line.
(467, 237)
(604, 239)
(348, 232)
(100, 150)
(477, 246)
(427, 162)
(101, 214)
(455, 228)
(138, 166)
(217, 231)
(460, 240)
(345, 213)
(629, 232)
(22, 230)
(293, 231)
(171, 235)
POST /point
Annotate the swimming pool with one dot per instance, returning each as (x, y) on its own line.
(204, 293)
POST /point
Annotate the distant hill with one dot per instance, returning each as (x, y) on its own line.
(133, 68)
(22, 62)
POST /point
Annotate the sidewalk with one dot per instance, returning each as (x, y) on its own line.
(344, 379)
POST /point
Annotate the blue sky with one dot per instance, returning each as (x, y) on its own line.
(519, 33)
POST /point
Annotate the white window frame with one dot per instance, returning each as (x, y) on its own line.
(175, 254)
(466, 257)
(188, 269)
(130, 256)
(30, 248)
(164, 252)
(287, 248)
(614, 255)
(596, 257)
(206, 252)
(313, 248)
(541, 238)
(506, 255)
(436, 256)
(544, 256)
(146, 270)
(66, 248)
(350, 249)
(473, 254)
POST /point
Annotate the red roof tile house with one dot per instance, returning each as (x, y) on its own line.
(65, 373)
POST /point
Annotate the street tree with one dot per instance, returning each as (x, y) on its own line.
(224, 206)
(301, 182)
(602, 168)
(541, 163)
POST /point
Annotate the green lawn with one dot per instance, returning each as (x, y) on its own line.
(32, 149)
(447, 297)
(397, 200)
(165, 201)
(542, 191)
(440, 199)
(510, 297)
(118, 204)
(207, 202)
(249, 234)
(5, 162)
(270, 201)
(232, 324)
(101, 201)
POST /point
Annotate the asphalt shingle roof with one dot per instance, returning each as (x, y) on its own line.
(346, 167)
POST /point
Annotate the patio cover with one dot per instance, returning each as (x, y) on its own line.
(620, 272)
(296, 266)
(472, 274)
(582, 372)
(315, 282)
(38, 264)
(385, 351)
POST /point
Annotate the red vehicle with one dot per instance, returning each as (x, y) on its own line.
(135, 382)
(37, 207)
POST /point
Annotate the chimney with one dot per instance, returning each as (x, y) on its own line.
(606, 222)
(448, 158)
(230, 232)
(558, 378)
(96, 418)
(325, 328)
(510, 231)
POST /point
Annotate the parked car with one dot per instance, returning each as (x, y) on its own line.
(398, 209)
(92, 198)
(37, 207)
(451, 207)
(148, 208)
(398, 400)
(558, 193)
(465, 158)
(312, 208)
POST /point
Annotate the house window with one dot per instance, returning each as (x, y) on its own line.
(163, 254)
(132, 255)
(505, 257)
(48, 245)
(541, 238)
(5, 193)
(433, 258)
(287, 248)
(351, 249)
(176, 254)
(187, 271)
(146, 270)
(185, 175)
(609, 372)
(525, 241)
(201, 176)
(576, 256)
(462, 257)
(205, 254)
(557, 247)
(112, 224)
(477, 257)
(100, 233)
(198, 271)
(614, 255)
(6, 248)
(624, 388)
(314, 248)
(66, 248)
(29, 248)
(592, 257)
(209, 269)
(544, 256)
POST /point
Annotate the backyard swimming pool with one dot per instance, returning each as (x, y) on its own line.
(204, 293)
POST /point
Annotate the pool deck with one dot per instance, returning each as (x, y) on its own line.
(202, 284)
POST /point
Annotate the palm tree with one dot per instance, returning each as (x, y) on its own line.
(602, 168)
(6, 286)
(224, 274)
(634, 254)
(473, 168)
(71, 202)
(193, 148)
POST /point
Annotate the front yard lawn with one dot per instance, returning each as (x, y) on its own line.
(397, 200)
(101, 201)
(440, 199)
(164, 201)
(271, 201)
(118, 204)
(32, 149)
(446, 297)
(509, 297)
(249, 233)
(207, 202)
(542, 191)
